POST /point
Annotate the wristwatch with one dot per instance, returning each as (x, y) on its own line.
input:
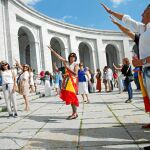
(144, 61)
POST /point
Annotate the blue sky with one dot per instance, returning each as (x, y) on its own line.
(88, 13)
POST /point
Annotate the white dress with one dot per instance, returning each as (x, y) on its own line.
(24, 88)
(47, 86)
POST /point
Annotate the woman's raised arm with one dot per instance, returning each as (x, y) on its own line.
(123, 29)
(57, 55)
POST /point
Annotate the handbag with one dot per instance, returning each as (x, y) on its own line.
(131, 77)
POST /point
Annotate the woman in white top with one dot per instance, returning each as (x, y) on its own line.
(23, 84)
(9, 86)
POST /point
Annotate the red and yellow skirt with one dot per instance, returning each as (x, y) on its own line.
(69, 90)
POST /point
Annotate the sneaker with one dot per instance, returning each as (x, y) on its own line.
(128, 101)
(10, 115)
(15, 115)
(147, 148)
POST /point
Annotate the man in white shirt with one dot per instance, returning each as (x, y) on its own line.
(142, 28)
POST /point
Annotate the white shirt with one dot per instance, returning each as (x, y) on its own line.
(144, 42)
(72, 66)
(7, 77)
(109, 74)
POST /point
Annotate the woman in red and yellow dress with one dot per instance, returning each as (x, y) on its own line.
(70, 82)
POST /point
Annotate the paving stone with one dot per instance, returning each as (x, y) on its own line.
(54, 139)
(106, 123)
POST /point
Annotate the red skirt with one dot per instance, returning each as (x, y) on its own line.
(69, 90)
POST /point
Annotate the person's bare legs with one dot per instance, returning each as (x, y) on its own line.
(83, 97)
(32, 88)
(105, 87)
(26, 102)
(74, 110)
(35, 86)
(74, 113)
(88, 101)
(57, 91)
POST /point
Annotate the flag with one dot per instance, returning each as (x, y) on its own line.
(144, 92)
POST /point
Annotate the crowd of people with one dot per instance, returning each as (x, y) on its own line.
(23, 79)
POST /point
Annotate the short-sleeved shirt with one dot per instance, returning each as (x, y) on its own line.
(126, 70)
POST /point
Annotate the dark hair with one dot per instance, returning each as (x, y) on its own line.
(80, 64)
(1, 68)
(72, 54)
(98, 70)
(47, 73)
(148, 6)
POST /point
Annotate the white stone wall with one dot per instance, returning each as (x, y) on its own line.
(15, 15)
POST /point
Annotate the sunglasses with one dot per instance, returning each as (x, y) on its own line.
(25, 66)
(72, 56)
(4, 64)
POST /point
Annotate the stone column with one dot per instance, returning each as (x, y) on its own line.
(94, 60)
(127, 50)
(101, 54)
(74, 46)
(46, 54)
(12, 34)
(3, 44)
(35, 56)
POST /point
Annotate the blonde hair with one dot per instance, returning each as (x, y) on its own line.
(126, 61)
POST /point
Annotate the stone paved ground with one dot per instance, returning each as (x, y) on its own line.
(107, 123)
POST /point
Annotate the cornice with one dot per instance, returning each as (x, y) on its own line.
(62, 24)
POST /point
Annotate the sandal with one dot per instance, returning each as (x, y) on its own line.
(72, 117)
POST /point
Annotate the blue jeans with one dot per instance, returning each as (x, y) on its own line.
(60, 84)
(136, 80)
(146, 79)
(128, 88)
